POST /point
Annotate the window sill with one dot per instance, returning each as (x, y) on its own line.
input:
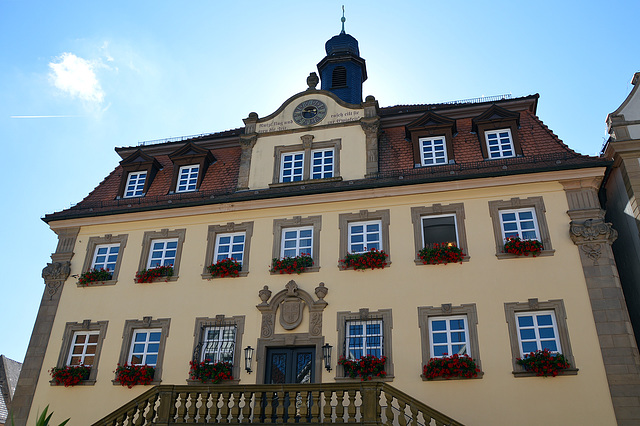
(82, 383)
(210, 277)
(153, 383)
(357, 380)
(161, 279)
(567, 372)
(543, 253)
(418, 262)
(98, 283)
(199, 383)
(444, 379)
(305, 182)
(343, 268)
(310, 269)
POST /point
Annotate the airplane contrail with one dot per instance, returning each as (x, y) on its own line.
(44, 116)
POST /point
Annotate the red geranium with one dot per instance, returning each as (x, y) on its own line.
(290, 265)
(70, 375)
(372, 259)
(210, 372)
(519, 247)
(441, 253)
(131, 375)
(149, 275)
(451, 366)
(228, 267)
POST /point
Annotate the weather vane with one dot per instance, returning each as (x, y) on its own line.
(343, 19)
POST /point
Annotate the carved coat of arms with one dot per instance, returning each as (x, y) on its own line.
(291, 313)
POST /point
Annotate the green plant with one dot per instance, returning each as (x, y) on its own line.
(94, 275)
(441, 253)
(519, 247)
(544, 363)
(290, 265)
(70, 375)
(210, 372)
(450, 366)
(366, 367)
(131, 375)
(228, 267)
(43, 419)
(372, 259)
(148, 275)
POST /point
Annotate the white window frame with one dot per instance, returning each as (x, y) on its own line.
(365, 335)
(448, 332)
(224, 345)
(435, 216)
(536, 328)
(164, 252)
(518, 223)
(323, 173)
(436, 160)
(501, 145)
(365, 234)
(231, 253)
(94, 261)
(135, 184)
(292, 177)
(185, 175)
(145, 353)
(85, 345)
(299, 250)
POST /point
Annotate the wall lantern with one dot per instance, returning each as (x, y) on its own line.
(326, 355)
(248, 356)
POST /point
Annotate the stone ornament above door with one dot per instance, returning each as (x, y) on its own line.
(291, 302)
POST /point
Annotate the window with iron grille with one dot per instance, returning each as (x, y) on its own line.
(217, 343)
(135, 184)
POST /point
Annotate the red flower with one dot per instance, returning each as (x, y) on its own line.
(148, 275)
(441, 253)
(228, 267)
(450, 366)
(372, 259)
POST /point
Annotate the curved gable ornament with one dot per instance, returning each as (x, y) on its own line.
(291, 302)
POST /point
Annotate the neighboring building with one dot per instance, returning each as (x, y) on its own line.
(9, 373)
(622, 190)
(326, 175)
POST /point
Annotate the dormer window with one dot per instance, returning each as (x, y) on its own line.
(497, 130)
(135, 184)
(433, 151)
(499, 143)
(432, 137)
(190, 164)
(187, 178)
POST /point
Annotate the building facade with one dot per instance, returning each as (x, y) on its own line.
(335, 184)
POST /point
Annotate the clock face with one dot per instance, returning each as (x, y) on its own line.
(310, 112)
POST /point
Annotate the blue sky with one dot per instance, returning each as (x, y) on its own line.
(79, 78)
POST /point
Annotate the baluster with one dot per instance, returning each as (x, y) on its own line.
(315, 407)
(351, 406)
(130, 413)
(327, 407)
(213, 410)
(224, 410)
(235, 410)
(139, 421)
(339, 406)
(151, 413)
(402, 417)
(246, 408)
(389, 411)
(182, 408)
(414, 415)
(191, 412)
(303, 409)
(268, 399)
(292, 398)
(280, 408)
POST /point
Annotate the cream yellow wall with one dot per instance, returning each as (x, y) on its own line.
(497, 398)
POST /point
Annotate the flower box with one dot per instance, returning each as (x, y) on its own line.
(95, 275)
(70, 375)
(367, 367)
(228, 267)
(131, 375)
(441, 253)
(290, 265)
(210, 372)
(544, 363)
(448, 367)
(149, 275)
(519, 247)
(372, 259)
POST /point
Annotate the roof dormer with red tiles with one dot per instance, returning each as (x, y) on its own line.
(190, 164)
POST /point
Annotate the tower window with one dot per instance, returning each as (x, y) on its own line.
(339, 78)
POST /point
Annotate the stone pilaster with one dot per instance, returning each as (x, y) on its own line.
(247, 142)
(371, 125)
(594, 237)
(54, 275)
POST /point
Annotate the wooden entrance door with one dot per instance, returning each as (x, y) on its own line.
(290, 365)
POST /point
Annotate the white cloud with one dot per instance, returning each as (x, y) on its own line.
(76, 77)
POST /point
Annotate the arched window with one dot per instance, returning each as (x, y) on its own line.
(339, 77)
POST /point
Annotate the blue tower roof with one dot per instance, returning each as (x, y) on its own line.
(341, 44)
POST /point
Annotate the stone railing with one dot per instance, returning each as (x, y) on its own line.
(369, 403)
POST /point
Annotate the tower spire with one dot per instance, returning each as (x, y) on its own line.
(342, 19)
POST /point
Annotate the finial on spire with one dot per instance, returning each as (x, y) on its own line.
(342, 19)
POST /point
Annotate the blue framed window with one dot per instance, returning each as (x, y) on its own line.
(433, 151)
(500, 143)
